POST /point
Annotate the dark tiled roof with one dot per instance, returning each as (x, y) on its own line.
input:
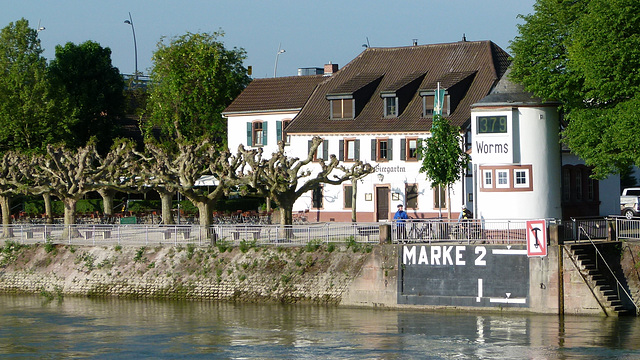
(477, 65)
(506, 92)
(269, 94)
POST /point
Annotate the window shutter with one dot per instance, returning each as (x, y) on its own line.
(278, 131)
(374, 155)
(390, 149)
(264, 133)
(249, 132)
(308, 146)
(341, 150)
(325, 150)
(419, 143)
(357, 152)
(403, 149)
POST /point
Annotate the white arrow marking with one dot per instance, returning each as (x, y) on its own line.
(508, 252)
(479, 290)
(508, 295)
(508, 301)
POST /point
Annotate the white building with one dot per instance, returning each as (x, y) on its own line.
(378, 107)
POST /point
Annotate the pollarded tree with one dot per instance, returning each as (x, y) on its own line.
(443, 158)
(12, 181)
(90, 92)
(25, 122)
(285, 179)
(586, 54)
(69, 174)
(194, 78)
(168, 171)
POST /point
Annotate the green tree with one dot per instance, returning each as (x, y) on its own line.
(586, 54)
(91, 92)
(25, 123)
(443, 158)
(194, 78)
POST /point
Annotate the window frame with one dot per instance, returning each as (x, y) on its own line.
(503, 178)
(283, 134)
(413, 198)
(408, 156)
(394, 107)
(348, 198)
(487, 179)
(443, 197)
(341, 101)
(317, 202)
(525, 184)
(427, 112)
(379, 150)
(255, 139)
(499, 178)
(348, 141)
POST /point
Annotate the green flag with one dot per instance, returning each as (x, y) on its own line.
(438, 101)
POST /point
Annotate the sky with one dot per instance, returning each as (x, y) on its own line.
(312, 33)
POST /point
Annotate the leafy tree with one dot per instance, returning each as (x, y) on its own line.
(281, 177)
(11, 182)
(586, 54)
(442, 155)
(194, 78)
(91, 94)
(25, 123)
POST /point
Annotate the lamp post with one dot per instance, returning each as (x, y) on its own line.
(135, 45)
(280, 51)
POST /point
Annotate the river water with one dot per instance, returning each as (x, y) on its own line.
(32, 327)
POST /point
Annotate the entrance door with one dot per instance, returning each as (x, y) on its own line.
(382, 203)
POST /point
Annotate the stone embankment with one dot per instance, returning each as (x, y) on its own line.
(316, 274)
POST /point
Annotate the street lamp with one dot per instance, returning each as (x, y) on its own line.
(135, 45)
(280, 51)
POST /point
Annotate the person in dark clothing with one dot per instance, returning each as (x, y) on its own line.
(400, 217)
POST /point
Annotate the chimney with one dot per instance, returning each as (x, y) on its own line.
(330, 69)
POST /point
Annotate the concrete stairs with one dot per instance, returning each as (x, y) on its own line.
(600, 280)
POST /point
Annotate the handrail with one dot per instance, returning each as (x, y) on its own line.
(610, 270)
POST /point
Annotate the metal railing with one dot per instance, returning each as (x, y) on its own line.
(619, 285)
(627, 229)
(464, 230)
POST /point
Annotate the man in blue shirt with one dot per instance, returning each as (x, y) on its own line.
(400, 217)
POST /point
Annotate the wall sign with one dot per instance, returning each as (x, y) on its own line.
(536, 238)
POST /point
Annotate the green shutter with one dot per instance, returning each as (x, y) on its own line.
(403, 149)
(419, 144)
(390, 149)
(341, 150)
(374, 156)
(249, 132)
(278, 131)
(357, 154)
(264, 133)
(325, 150)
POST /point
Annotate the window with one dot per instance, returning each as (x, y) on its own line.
(280, 131)
(579, 185)
(390, 107)
(322, 152)
(409, 149)
(411, 194)
(428, 98)
(487, 176)
(566, 184)
(348, 196)
(258, 134)
(316, 197)
(502, 177)
(381, 149)
(439, 197)
(591, 189)
(342, 109)
(521, 178)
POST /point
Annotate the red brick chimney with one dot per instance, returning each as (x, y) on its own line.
(330, 69)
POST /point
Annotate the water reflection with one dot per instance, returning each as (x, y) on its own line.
(107, 328)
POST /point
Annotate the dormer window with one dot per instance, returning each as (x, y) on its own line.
(342, 108)
(390, 106)
(428, 101)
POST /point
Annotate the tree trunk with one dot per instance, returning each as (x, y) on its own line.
(48, 209)
(70, 218)
(166, 198)
(5, 203)
(205, 213)
(354, 191)
(107, 201)
(286, 220)
(449, 201)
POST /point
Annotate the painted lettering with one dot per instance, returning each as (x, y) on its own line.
(435, 255)
(423, 259)
(409, 255)
(483, 148)
(459, 253)
(446, 255)
(482, 251)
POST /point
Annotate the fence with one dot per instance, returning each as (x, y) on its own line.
(423, 231)
(627, 229)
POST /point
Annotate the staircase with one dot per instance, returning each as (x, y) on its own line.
(600, 280)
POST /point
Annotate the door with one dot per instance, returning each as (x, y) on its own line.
(382, 203)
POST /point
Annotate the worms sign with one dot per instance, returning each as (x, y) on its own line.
(464, 275)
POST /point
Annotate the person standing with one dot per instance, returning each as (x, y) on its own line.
(400, 218)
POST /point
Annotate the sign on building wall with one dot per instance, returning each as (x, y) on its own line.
(536, 238)
(492, 138)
